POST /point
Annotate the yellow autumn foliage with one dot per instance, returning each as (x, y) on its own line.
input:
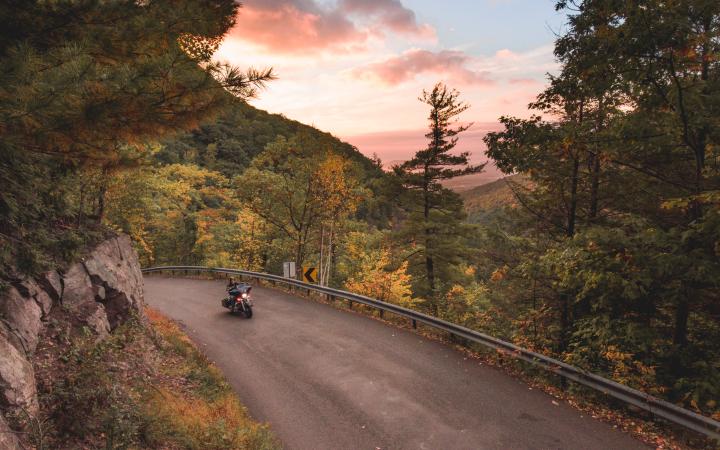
(377, 281)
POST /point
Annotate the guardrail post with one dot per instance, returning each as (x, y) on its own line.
(350, 303)
(414, 322)
(382, 313)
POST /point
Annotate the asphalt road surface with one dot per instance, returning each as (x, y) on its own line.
(329, 379)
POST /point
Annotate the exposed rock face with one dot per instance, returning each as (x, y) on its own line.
(52, 284)
(114, 266)
(17, 379)
(22, 315)
(100, 292)
(94, 316)
(78, 288)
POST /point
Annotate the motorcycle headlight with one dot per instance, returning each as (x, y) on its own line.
(244, 295)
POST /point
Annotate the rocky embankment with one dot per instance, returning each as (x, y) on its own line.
(97, 293)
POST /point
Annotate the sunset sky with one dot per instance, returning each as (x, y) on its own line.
(355, 68)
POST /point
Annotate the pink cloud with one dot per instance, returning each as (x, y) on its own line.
(405, 67)
(391, 14)
(291, 26)
(294, 25)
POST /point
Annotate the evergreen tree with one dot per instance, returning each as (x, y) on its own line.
(434, 224)
(80, 94)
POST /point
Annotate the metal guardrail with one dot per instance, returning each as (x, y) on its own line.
(656, 406)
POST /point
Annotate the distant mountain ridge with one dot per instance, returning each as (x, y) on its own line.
(482, 201)
(468, 182)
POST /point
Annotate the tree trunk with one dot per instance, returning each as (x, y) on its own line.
(682, 312)
(594, 186)
(299, 256)
(572, 210)
(595, 167)
(321, 269)
(329, 259)
(565, 316)
(429, 263)
(681, 321)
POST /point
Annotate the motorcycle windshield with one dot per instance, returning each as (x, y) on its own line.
(240, 289)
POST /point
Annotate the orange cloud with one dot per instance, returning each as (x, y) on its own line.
(292, 26)
(398, 69)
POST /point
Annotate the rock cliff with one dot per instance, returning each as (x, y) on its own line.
(99, 292)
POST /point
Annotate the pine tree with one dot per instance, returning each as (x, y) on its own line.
(435, 214)
(78, 91)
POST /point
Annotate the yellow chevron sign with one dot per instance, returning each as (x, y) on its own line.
(309, 275)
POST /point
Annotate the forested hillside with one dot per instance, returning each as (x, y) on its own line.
(484, 201)
(230, 142)
(250, 190)
(605, 253)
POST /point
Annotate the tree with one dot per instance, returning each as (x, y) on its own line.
(339, 195)
(669, 74)
(434, 221)
(299, 186)
(376, 279)
(77, 91)
(618, 258)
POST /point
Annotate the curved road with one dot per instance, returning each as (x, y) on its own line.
(327, 379)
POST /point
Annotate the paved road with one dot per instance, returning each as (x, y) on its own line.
(328, 379)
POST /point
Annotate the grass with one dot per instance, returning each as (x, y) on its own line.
(209, 414)
(145, 387)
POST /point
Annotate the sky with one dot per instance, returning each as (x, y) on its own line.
(355, 68)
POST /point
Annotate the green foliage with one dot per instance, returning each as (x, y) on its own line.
(144, 388)
(433, 227)
(308, 193)
(91, 398)
(229, 144)
(609, 257)
(614, 253)
(79, 99)
(482, 203)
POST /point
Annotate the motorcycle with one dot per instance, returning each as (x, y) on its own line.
(238, 299)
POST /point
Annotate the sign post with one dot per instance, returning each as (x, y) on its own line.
(289, 269)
